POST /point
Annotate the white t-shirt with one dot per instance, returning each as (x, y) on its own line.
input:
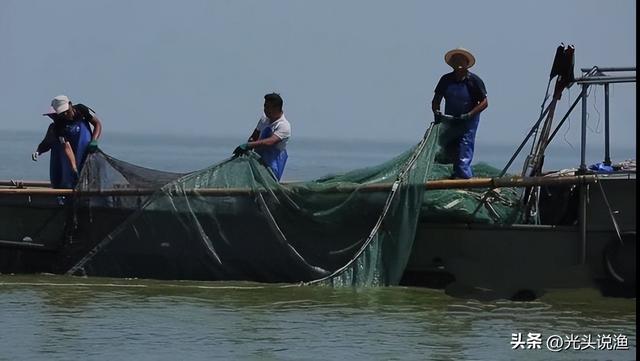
(281, 128)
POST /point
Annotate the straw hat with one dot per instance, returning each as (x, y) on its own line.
(460, 51)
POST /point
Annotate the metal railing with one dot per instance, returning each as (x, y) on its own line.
(596, 76)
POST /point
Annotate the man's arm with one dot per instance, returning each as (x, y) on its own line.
(281, 132)
(47, 142)
(97, 127)
(90, 115)
(273, 139)
(479, 107)
(72, 158)
(254, 136)
(481, 92)
(438, 93)
(435, 103)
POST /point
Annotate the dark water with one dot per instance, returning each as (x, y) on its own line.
(46, 317)
(65, 318)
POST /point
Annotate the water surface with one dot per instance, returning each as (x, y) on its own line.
(64, 318)
(67, 318)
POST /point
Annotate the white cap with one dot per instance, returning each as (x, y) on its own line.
(60, 104)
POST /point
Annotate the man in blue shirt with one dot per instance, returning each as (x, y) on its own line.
(465, 98)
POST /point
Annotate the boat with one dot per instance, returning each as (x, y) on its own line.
(583, 235)
(398, 223)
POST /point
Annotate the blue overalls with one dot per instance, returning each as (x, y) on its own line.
(272, 157)
(78, 134)
(459, 136)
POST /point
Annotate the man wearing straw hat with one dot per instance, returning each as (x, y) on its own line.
(465, 98)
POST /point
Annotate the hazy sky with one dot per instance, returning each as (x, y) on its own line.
(348, 69)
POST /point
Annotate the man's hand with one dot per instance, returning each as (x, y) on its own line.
(241, 149)
(34, 156)
(440, 118)
(436, 117)
(93, 146)
(465, 116)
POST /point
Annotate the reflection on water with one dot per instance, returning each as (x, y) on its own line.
(58, 317)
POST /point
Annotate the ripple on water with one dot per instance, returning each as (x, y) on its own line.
(58, 317)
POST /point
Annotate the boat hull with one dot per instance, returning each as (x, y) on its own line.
(36, 237)
(513, 258)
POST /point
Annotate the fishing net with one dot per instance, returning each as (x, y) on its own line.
(234, 221)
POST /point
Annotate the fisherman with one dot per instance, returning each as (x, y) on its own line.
(70, 138)
(465, 98)
(270, 137)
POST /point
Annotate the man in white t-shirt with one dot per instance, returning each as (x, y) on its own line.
(271, 135)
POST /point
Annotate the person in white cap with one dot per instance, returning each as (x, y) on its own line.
(465, 98)
(70, 138)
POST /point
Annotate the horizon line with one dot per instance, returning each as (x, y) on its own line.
(183, 135)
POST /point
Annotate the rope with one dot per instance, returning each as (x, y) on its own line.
(385, 210)
(611, 212)
(165, 190)
(394, 188)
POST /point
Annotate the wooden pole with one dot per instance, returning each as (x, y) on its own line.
(382, 187)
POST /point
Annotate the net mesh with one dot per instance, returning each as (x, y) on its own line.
(234, 221)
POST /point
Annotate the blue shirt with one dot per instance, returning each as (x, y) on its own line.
(474, 84)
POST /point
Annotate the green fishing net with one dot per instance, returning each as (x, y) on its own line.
(234, 221)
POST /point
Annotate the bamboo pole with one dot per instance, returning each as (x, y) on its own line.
(382, 187)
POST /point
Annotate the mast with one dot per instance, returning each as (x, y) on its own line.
(563, 68)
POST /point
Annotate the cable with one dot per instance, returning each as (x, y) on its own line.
(597, 111)
(385, 210)
(596, 131)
